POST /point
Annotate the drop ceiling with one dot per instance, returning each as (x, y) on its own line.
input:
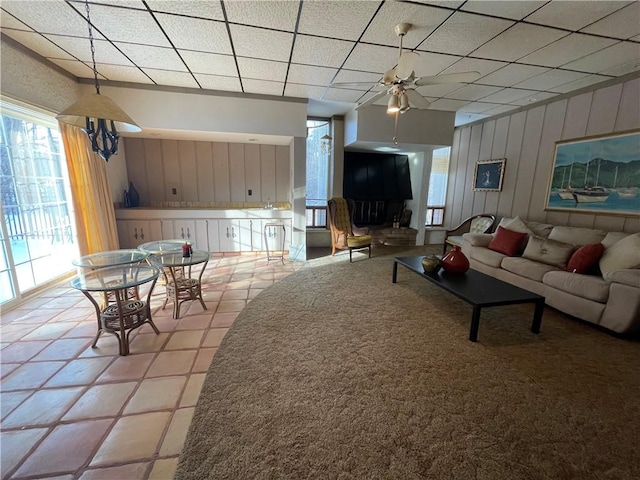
(526, 51)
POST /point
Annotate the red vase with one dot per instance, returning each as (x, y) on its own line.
(455, 261)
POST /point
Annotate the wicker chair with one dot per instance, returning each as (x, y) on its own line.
(481, 223)
(344, 234)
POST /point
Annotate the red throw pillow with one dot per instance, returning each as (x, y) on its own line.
(584, 258)
(507, 242)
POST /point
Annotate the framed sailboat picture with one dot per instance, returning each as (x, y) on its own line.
(597, 175)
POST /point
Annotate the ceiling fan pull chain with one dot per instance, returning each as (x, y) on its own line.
(395, 132)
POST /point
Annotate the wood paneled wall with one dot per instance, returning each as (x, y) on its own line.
(527, 140)
(206, 172)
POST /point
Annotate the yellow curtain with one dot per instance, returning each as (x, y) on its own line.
(93, 205)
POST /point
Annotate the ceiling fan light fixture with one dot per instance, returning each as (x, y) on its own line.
(97, 114)
(393, 106)
(404, 103)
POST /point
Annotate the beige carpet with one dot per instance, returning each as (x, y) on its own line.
(337, 373)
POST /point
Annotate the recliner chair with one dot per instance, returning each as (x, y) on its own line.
(344, 234)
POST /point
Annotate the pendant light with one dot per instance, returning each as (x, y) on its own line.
(97, 114)
(393, 106)
(404, 102)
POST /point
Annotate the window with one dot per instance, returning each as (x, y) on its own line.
(318, 156)
(38, 238)
(438, 187)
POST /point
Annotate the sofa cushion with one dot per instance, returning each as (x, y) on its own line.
(585, 286)
(576, 235)
(507, 242)
(486, 256)
(585, 258)
(629, 277)
(548, 251)
(526, 268)
(540, 229)
(478, 239)
(518, 225)
(621, 255)
(613, 237)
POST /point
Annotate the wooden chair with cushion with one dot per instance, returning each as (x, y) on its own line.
(344, 234)
(481, 223)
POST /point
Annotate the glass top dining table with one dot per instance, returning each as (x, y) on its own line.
(162, 246)
(111, 258)
(114, 278)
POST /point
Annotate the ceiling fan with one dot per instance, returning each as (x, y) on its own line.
(400, 82)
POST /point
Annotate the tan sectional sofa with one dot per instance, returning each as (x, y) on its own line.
(610, 299)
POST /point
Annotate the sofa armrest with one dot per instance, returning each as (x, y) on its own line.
(629, 277)
(478, 239)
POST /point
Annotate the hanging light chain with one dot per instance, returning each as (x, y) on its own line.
(93, 49)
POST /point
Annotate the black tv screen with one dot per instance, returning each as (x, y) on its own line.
(376, 176)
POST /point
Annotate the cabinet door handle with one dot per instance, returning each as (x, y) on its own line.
(227, 232)
(135, 232)
(188, 233)
(141, 233)
(233, 233)
(182, 232)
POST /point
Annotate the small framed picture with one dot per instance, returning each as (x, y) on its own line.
(488, 175)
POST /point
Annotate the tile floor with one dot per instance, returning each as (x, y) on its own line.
(70, 411)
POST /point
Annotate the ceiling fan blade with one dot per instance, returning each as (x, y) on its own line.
(389, 76)
(464, 77)
(406, 65)
(416, 99)
(372, 100)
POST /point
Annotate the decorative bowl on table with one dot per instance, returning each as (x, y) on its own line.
(431, 263)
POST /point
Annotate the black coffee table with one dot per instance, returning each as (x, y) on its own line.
(477, 289)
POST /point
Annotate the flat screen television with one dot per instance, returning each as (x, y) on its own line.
(376, 176)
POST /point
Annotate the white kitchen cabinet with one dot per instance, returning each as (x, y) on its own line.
(235, 235)
(132, 233)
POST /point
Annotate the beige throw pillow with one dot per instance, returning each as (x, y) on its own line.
(548, 251)
(621, 255)
(518, 225)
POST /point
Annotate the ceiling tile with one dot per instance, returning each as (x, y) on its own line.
(137, 4)
(263, 87)
(623, 69)
(357, 76)
(310, 75)
(210, 10)
(478, 107)
(442, 3)
(260, 43)
(277, 14)
(196, 34)
(343, 95)
(624, 23)
(9, 21)
(550, 79)
(262, 69)
(462, 118)
(171, 78)
(508, 95)
(566, 49)
(75, 67)
(537, 97)
(423, 20)
(510, 45)
(439, 90)
(580, 83)
(372, 58)
(484, 67)
(122, 73)
(344, 20)
(433, 63)
(573, 15)
(463, 32)
(323, 52)
(447, 104)
(209, 63)
(37, 43)
(303, 91)
(515, 10)
(217, 82)
(80, 48)
(617, 54)
(473, 92)
(52, 16)
(136, 24)
(153, 57)
(511, 74)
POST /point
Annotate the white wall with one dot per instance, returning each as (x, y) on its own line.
(420, 168)
(527, 140)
